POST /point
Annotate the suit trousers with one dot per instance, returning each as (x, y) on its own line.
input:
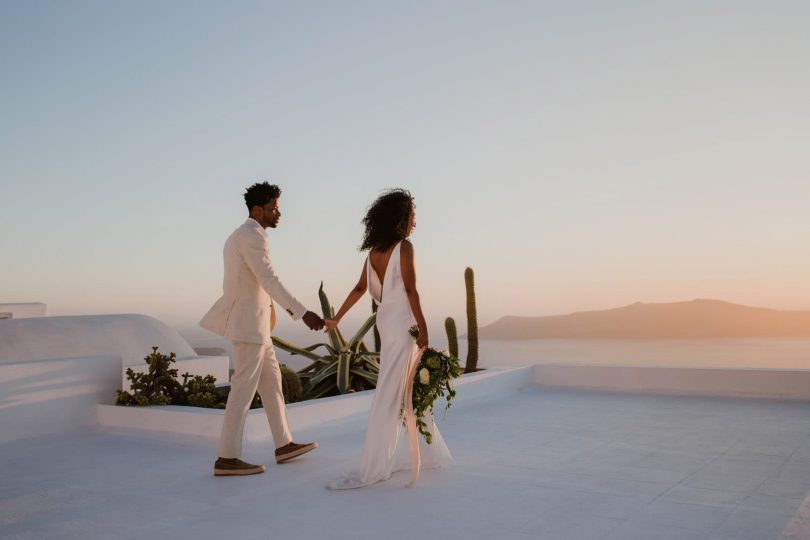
(255, 368)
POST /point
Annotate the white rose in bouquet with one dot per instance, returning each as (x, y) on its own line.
(424, 376)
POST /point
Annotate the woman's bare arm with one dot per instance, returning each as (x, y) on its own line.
(354, 295)
(408, 266)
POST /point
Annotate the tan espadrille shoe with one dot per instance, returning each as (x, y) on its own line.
(293, 450)
(235, 467)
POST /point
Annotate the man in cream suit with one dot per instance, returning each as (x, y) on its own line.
(246, 315)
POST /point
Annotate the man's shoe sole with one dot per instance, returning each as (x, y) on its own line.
(238, 472)
(295, 453)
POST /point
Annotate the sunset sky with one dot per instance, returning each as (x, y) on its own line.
(578, 155)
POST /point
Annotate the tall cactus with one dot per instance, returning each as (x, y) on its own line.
(472, 323)
(377, 341)
(452, 336)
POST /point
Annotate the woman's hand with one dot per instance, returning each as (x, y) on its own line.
(422, 339)
(330, 324)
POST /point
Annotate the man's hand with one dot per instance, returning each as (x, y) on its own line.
(313, 321)
(330, 324)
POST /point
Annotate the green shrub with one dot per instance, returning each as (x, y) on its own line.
(159, 386)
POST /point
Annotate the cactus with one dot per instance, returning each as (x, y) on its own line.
(290, 385)
(452, 336)
(472, 323)
(377, 340)
(344, 365)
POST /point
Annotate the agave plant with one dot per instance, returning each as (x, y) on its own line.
(337, 367)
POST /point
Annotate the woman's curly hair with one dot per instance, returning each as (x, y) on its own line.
(387, 220)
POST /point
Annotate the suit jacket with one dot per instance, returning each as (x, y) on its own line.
(246, 310)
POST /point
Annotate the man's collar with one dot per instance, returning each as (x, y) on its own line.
(253, 223)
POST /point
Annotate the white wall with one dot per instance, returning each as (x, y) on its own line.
(757, 383)
(23, 311)
(47, 396)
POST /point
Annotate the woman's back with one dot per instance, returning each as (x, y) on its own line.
(385, 283)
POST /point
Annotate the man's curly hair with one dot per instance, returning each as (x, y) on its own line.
(260, 194)
(387, 219)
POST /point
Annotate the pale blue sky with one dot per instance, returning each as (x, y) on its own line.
(579, 155)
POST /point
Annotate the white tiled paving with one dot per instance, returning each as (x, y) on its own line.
(544, 464)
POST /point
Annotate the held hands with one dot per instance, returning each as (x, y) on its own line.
(330, 324)
(313, 321)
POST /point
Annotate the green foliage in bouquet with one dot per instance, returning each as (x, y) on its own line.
(432, 380)
(344, 365)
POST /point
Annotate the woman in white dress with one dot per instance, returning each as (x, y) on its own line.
(389, 275)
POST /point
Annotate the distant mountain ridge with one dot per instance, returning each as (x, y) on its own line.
(698, 318)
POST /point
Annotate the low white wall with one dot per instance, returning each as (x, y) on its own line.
(168, 418)
(488, 384)
(208, 422)
(757, 383)
(47, 396)
(492, 383)
(23, 311)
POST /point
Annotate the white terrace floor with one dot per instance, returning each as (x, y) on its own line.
(543, 464)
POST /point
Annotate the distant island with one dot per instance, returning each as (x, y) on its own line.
(693, 319)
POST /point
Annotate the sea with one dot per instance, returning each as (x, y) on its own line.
(744, 352)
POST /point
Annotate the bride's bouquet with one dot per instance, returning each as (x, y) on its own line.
(432, 380)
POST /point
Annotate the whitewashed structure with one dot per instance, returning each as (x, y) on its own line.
(54, 371)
